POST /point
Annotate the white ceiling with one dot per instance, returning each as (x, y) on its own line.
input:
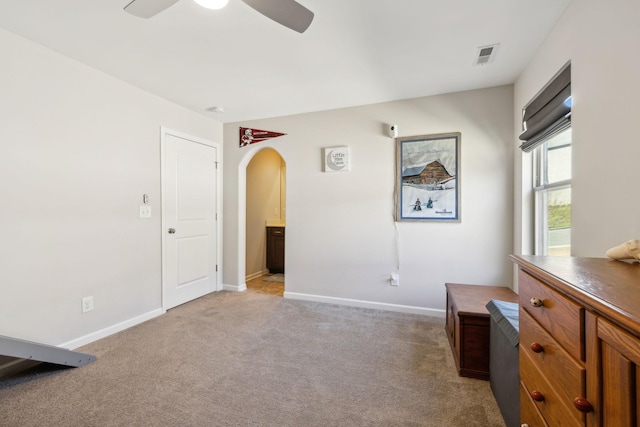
(355, 52)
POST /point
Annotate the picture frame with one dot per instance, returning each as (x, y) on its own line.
(428, 178)
(336, 159)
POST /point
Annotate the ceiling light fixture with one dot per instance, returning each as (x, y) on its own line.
(212, 4)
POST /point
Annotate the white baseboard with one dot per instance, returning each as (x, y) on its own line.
(103, 333)
(235, 288)
(256, 275)
(95, 336)
(367, 304)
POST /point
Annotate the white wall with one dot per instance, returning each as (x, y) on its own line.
(264, 203)
(601, 41)
(79, 149)
(342, 242)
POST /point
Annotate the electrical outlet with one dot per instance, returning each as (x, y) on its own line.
(394, 279)
(87, 304)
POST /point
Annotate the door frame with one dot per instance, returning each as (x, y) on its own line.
(163, 143)
(242, 213)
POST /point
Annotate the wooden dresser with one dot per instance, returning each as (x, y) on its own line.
(579, 342)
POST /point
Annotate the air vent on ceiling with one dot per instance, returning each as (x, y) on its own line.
(485, 54)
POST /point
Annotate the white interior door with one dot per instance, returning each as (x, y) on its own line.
(189, 199)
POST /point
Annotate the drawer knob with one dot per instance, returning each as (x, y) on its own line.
(537, 396)
(537, 347)
(536, 302)
(582, 404)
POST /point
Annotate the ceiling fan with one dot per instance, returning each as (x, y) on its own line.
(289, 13)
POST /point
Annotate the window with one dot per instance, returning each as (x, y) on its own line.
(552, 189)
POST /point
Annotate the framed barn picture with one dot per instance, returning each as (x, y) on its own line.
(428, 178)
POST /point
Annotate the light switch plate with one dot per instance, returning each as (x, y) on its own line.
(145, 212)
(395, 279)
(87, 304)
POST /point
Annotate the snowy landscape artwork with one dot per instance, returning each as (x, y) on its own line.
(428, 178)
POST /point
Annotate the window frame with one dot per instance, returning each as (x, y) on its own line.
(541, 189)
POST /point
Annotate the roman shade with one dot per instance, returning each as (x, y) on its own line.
(549, 112)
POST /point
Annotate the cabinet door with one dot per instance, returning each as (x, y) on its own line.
(275, 249)
(278, 253)
(619, 363)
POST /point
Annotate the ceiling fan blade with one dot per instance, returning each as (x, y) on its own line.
(148, 8)
(289, 13)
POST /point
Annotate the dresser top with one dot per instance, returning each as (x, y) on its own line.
(609, 287)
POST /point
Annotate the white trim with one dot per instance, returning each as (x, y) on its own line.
(102, 333)
(235, 288)
(242, 207)
(242, 217)
(367, 304)
(256, 275)
(540, 191)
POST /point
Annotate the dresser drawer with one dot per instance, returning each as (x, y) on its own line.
(555, 410)
(275, 231)
(551, 360)
(529, 414)
(561, 317)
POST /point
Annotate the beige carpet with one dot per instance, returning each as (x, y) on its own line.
(250, 359)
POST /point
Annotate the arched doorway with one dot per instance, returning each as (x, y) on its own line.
(265, 222)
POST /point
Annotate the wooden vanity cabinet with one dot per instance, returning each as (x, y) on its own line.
(275, 249)
(579, 341)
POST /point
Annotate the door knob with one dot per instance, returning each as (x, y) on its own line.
(172, 231)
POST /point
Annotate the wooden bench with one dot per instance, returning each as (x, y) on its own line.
(467, 325)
